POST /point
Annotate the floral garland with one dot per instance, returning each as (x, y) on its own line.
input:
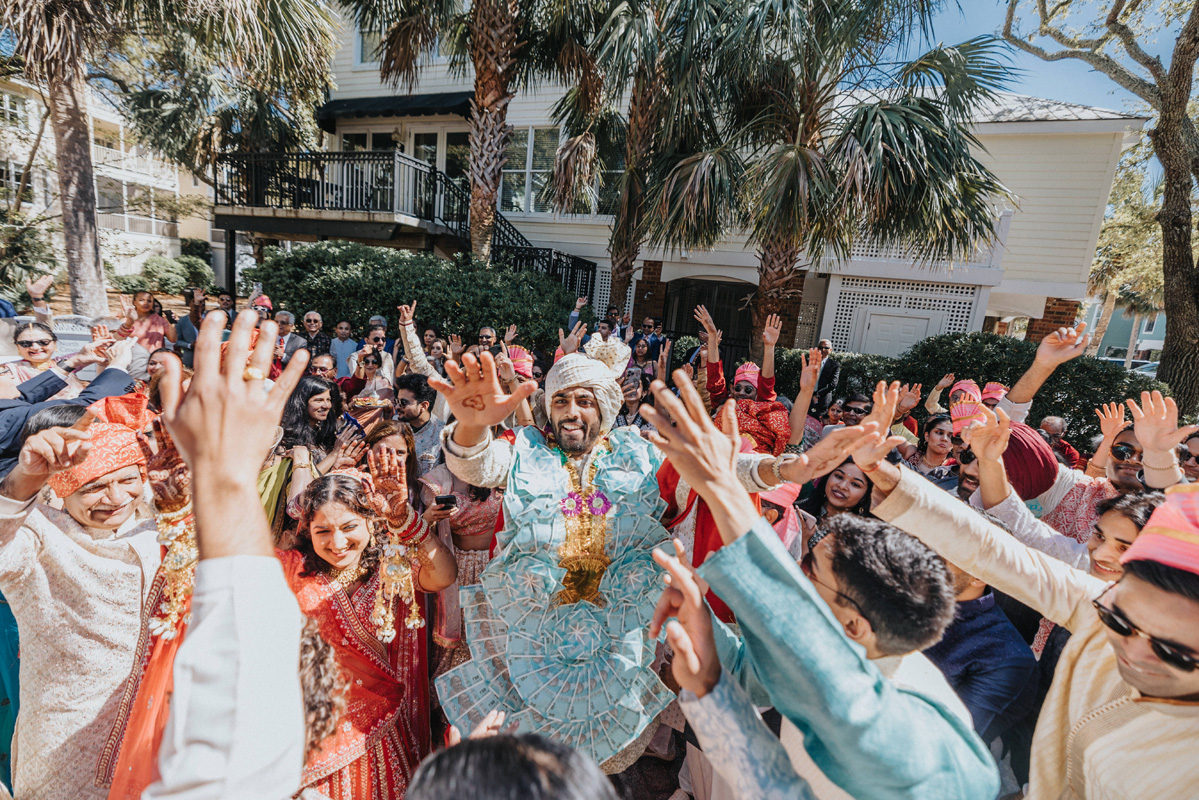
(177, 533)
(582, 554)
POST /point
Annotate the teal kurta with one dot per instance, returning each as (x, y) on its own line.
(10, 696)
(578, 673)
(873, 739)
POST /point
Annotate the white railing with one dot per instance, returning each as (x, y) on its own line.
(133, 162)
(134, 224)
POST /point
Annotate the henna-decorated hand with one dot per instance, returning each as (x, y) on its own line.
(389, 497)
(170, 478)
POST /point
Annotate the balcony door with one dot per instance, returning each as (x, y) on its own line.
(447, 149)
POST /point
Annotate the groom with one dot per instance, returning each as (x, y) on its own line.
(556, 628)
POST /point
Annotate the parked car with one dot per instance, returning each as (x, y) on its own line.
(1149, 369)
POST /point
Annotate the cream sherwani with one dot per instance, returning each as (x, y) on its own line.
(78, 595)
(1097, 737)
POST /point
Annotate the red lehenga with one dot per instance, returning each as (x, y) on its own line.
(384, 732)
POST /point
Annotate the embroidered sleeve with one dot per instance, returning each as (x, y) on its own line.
(740, 746)
(485, 465)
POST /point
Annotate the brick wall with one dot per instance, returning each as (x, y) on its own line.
(649, 298)
(1058, 313)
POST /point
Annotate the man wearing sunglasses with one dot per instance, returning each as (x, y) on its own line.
(375, 342)
(1055, 429)
(1121, 716)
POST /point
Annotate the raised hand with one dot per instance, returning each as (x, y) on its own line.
(170, 478)
(492, 725)
(772, 331)
(120, 355)
(696, 666)
(712, 351)
(809, 374)
(945, 382)
(474, 393)
(1155, 422)
(407, 313)
(664, 357)
(37, 288)
(580, 303)
(94, 352)
(199, 298)
(127, 309)
(989, 440)
(503, 365)
(455, 345)
(909, 398)
(389, 495)
(1062, 345)
(704, 318)
(572, 343)
(831, 451)
(510, 335)
(100, 332)
(350, 452)
(1111, 420)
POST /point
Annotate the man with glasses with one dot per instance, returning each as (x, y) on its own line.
(1121, 716)
(651, 331)
(487, 338)
(414, 404)
(378, 321)
(1188, 454)
(323, 366)
(854, 409)
(1055, 429)
(289, 342)
(317, 340)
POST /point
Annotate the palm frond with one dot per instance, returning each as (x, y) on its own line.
(961, 76)
(695, 200)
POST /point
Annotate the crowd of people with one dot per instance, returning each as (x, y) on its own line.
(255, 559)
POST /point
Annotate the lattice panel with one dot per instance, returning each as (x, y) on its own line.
(956, 301)
(603, 291)
(807, 326)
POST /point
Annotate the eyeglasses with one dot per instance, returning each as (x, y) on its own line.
(957, 441)
(1190, 457)
(966, 457)
(378, 339)
(1168, 653)
(805, 565)
(537, 374)
(856, 411)
(35, 343)
(1125, 452)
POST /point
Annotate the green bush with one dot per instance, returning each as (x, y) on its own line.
(128, 284)
(344, 280)
(165, 275)
(199, 272)
(1073, 391)
(197, 248)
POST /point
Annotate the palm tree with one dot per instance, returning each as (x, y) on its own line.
(59, 40)
(820, 139)
(508, 43)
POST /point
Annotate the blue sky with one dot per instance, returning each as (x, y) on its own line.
(1069, 79)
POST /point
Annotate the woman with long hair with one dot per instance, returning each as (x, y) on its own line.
(640, 357)
(845, 489)
(362, 557)
(935, 447)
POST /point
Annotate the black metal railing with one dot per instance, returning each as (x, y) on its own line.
(384, 181)
(576, 274)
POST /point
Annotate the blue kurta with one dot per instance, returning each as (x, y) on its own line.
(578, 673)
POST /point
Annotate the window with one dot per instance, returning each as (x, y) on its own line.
(353, 141)
(529, 171)
(12, 109)
(367, 47)
(1150, 325)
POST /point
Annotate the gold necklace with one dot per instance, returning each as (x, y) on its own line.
(343, 578)
(581, 554)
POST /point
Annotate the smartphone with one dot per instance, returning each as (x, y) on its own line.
(257, 287)
(495, 350)
(446, 500)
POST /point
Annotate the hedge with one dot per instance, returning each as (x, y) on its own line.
(345, 280)
(1073, 391)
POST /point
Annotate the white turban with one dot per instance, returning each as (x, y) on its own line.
(577, 369)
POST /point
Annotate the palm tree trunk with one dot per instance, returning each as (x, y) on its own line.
(67, 102)
(778, 280)
(493, 44)
(627, 233)
(1132, 339)
(1105, 318)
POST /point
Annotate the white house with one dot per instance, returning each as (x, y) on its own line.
(1058, 158)
(135, 190)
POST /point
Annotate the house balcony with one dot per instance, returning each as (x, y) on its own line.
(382, 198)
(135, 167)
(131, 223)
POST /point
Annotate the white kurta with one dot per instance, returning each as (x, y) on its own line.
(77, 594)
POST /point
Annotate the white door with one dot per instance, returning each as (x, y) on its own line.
(891, 334)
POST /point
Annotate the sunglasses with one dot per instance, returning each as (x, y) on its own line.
(1168, 653)
(378, 339)
(967, 457)
(857, 412)
(1190, 457)
(1125, 452)
(38, 343)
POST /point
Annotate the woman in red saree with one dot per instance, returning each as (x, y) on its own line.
(363, 590)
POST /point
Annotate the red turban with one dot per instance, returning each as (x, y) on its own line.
(522, 360)
(994, 391)
(1171, 536)
(969, 387)
(750, 373)
(115, 442)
